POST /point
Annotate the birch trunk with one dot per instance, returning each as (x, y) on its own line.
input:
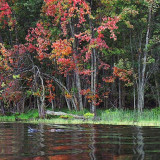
(93, 69)
(41, 99)
(93, 80)
(142, 76)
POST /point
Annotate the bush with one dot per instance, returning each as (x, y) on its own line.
(88, 115)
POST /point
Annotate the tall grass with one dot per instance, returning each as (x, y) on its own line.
(119, 116)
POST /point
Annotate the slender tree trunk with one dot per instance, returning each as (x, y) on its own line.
(68, 103)
(2, 107)
(63, 89)
(157, 89)
(94, 71)
(68, 87)
(120, 95)
(41, 99)
(78, 80)
(133, 66)
(78, 83)
(93, 80)
(134, 97)
(52, 105)
(142, 76)
(1, 40)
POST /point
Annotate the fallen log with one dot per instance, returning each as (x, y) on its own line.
(63, 114)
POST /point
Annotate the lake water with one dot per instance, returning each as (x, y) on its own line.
(78, 142)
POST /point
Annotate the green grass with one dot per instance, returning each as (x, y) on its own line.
(32, 114)
(112, 117)
(7, 118)
(128, 117)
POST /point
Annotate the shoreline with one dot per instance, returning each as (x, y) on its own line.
(150, 118)
(74, 121)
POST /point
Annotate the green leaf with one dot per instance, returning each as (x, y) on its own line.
(16, 76)
(3, 84)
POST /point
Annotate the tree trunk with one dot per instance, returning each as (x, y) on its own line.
(78, 80)
(93, 71)
(142, 76)
(120, 94)
(52, 105)
(93, 80)
(157, 90)
(63, 89)
(1, 40)
(133, 66)
(41, 99)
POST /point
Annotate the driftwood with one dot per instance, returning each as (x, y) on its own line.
(63, 114)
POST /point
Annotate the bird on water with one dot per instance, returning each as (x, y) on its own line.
(32, 130)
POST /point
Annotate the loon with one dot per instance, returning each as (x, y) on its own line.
(31, 130)
(57, 130)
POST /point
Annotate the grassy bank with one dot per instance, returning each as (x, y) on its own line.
(113, 117)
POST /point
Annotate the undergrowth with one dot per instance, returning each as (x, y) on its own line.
(109, 116)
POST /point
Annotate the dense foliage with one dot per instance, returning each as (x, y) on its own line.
(79, 54)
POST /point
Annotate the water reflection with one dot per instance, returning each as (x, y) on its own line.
(138, 148)
(78, 142)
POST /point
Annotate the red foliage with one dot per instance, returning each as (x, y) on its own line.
(61, 48)
(103, 65)
(63, 10)
(51, 89)
(110, 79)
(5, 14)
(122, 74)
(85, 72)
(108, 23)
(85, 91)
(38, 39)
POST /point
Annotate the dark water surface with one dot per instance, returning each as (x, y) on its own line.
(78, 142)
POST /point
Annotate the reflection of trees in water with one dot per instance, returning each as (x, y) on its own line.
(138, 142)
(95, 142)
(67, 145)
(115, 143)
(41, 139)
(92, 143)
(105, 143)
(11, 137)
(30, 143)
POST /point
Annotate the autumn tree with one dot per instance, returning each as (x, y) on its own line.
(82, 41)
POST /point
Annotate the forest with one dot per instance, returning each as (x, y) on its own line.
(79, 54)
